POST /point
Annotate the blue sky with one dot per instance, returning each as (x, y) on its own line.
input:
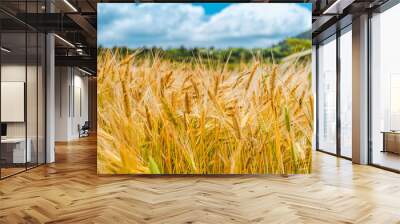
(220, 25)
(212, 8)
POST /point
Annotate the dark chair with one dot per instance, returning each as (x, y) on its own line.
(84, 130)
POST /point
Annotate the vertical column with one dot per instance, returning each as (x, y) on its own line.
(50, 92)
(360, 90)
(338, 91)
(50, 99)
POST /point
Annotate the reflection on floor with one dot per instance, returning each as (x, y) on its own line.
(346, 152)
(70, 191)
(387, 159)
(10, 171)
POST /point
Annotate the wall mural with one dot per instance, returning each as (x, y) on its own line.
(204, 88)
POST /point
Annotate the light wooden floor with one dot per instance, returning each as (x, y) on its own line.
(10, 171)
(70, 191)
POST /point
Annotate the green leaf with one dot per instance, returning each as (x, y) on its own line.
(153, 166)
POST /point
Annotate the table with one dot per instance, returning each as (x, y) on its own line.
(391, 141)
(16, 147)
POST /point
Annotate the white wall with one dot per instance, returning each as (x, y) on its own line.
(70, 83)
(12, 73)
(82, 82)
(62, 81)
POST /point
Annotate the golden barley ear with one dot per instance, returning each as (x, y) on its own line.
(160, 116)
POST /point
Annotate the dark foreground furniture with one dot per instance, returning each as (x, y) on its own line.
(84, 130)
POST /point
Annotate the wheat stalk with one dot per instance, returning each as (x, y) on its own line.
(159, 116)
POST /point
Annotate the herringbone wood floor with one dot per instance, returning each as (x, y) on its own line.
(70, 191)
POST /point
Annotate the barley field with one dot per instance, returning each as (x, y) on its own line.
(157, 116)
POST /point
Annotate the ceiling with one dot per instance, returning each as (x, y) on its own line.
(330, 15)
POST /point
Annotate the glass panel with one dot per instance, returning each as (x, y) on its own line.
(31, 97)
(346, 93)
(327, 97)
(385, 86)
(13, 89)
(41, 99)
(32, 87)
(22, 89)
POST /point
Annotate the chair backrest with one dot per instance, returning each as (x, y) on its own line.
(86, 124)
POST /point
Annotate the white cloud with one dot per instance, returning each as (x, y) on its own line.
(173, 25)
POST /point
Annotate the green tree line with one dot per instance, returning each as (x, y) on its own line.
(235, 55)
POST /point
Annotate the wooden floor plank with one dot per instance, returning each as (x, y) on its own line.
(70, 191)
